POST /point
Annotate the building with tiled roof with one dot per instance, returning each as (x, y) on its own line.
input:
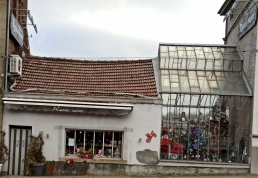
(104, 105)
(126, 79)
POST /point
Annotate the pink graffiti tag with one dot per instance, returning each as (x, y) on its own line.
(149, 136)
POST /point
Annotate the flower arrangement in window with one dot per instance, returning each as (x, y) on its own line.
(89, 153)
(81, 152)
(69, 162)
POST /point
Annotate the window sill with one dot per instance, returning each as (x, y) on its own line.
(95, 160)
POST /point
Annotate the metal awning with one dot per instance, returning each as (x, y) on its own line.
(67, 106)
(202, 69)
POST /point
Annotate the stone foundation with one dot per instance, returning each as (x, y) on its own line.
(59, 168)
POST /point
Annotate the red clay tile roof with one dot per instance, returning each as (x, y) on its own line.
(127, 79)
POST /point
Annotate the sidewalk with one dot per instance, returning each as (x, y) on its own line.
(123, 176)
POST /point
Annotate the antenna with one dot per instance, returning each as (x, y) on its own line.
(30, 17)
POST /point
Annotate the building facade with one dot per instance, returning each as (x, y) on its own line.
(241, 30)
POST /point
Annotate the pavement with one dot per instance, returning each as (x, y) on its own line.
(154, 176)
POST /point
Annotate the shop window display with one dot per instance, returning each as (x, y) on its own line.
(197, 127)
(102, 144)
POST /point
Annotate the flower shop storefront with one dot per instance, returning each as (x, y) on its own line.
(206, 104)
(97, 133)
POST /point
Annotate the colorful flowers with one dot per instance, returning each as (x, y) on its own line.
(69, 162)
(81, 152)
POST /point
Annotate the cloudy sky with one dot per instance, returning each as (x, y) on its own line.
(121, 28)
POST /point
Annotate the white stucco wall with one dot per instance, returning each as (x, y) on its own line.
(143, 119)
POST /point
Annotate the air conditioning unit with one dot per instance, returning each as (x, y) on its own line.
(15, 65)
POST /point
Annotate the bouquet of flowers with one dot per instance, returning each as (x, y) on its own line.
(69, 162)
(81, 152)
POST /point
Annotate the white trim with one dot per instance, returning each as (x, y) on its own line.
(122, 107)
(69, 102)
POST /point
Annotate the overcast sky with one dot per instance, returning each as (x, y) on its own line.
(121, 28)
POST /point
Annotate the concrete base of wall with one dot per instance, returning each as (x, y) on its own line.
(59, 169)
(109, 169)
(254, 160)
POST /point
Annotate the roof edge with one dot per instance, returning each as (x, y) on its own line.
(156, 101)
(225, 7)
(194, 44)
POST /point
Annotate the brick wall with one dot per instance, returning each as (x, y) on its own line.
(242, 113)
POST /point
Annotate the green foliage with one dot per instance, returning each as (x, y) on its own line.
(4, 153)
(89, 152)
(34, 154)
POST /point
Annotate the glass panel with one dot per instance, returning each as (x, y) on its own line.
(218, 55)
(79, 139)
(165, 83)
(162, 62)
(213, 84)
(240, 80)
(175, 87)
(184, 84)
(218, 64)
(193, 79)
(182, 54)
(242, 89)
(230, 77)
(163, 49)
(182, 63)
(163, 55)
(89, 140)
(165, 98)
(210, 76)
(172, 48)
(222, 84)
(209, 64)
(238, 65)
(181, 48)
(199, 54)
(191, 64)
(189, 48)
(117, 144)
(108, 144)
(204, 85)
(191, 55)
(227, 56)
(209, 55)
(207, 50)
(215, 90)
(98, 143)
(173, 55)
(174, 78)
(195, 100)
(200, 64)
(70, 142)
(201, 73)
(228, 65)
(173, 63)
(195, 90)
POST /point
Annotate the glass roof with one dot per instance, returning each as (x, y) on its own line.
(202, 70)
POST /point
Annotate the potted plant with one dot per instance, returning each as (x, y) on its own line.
(4, 153)
(34, 162)
(89, 153)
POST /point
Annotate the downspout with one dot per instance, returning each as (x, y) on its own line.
(7, 43)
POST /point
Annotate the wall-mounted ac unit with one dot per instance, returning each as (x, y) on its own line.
(15, 65)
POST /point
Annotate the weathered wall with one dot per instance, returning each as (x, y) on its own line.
(142, 120)
(58, 168)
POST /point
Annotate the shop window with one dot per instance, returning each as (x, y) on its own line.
(104, 144)
(201, 131)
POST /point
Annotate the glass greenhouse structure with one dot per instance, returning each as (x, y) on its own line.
(206, 103)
